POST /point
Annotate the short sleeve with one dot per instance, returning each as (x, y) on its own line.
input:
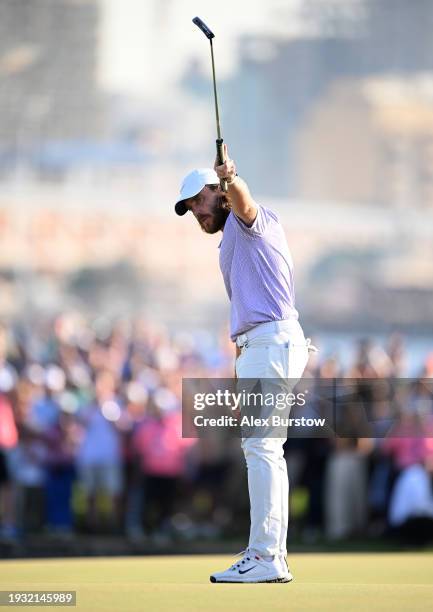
(260, 224)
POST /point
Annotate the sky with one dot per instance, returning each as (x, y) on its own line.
(145, 44)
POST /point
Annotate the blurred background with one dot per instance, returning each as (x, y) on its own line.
(107, 298)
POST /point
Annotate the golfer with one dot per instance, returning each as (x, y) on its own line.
(258, 274)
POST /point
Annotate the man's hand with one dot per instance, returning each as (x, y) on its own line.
(239, 195)
(227, 170)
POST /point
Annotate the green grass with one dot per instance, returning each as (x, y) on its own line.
(367, 582)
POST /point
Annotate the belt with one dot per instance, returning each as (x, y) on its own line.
(266, 328)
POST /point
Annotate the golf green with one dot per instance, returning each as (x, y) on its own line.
(381, 581)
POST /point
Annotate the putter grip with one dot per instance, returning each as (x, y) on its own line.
(220, 155)
(203, 27)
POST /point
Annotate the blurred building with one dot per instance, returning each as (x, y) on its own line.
(279, 80)
(370, 140)
(48, 89)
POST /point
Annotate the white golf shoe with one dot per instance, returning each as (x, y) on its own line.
(252, 568)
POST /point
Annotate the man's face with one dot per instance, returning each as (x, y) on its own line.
(208, 208)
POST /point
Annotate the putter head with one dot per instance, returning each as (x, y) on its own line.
(203, 27)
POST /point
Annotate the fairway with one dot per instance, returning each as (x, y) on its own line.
(402, 581)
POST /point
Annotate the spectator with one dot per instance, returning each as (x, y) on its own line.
(411, 505)
(136, 407)
(60, 439)
(410, 445)
(346, 489)
(161, 455)
(8, 441)
(99, 454)
(29, 476)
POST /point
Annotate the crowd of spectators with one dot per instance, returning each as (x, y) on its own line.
(91, 440)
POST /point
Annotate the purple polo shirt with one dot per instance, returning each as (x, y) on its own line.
(258, 271)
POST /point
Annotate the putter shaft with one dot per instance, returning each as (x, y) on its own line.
(219, 141)
(217, 115)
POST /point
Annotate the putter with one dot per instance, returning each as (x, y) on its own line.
(219, 141)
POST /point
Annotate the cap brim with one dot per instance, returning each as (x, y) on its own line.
(180, 208)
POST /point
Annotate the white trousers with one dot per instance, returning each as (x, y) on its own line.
(280, 351)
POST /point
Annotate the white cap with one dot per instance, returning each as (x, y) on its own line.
(192, 184)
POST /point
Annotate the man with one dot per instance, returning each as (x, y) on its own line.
(258, 274)
(99, 454)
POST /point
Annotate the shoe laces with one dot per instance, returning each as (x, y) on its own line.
(246, 556)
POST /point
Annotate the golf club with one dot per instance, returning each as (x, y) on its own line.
(219, 142)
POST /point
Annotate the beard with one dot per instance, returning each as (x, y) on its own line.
(216, 219)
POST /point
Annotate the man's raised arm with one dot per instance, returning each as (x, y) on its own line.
(241, 200)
